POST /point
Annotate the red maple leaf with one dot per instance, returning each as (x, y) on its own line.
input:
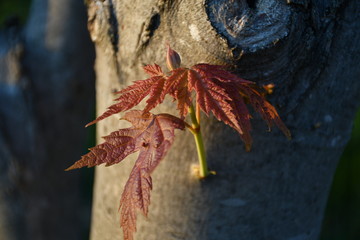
(151, 135)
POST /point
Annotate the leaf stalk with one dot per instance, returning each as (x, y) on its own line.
(203, 169)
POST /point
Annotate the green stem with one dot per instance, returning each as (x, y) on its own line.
(203, 169)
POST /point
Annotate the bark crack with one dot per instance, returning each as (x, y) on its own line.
(148, 30)
(114, 26)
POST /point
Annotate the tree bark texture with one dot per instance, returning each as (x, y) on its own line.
(46, 97)
(308, 48)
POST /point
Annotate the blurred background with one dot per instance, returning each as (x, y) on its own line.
(342, 216)
(47, 95)
(44, 65)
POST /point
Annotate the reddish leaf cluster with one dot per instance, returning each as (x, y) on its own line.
(217, 91)
(151, 135)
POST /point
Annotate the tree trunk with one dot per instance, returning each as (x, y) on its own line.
(308, 48)
(46, 97)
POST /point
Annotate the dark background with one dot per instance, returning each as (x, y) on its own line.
(342, 216)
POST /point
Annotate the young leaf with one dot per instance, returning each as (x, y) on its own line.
(264, 108)
(222, 93)
(177, 86)
(151, 135)
(212, 96)
(134, 94)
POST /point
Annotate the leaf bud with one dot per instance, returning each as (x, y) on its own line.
(173, 59)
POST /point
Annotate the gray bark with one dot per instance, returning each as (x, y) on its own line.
(309, 49)
(46, 97)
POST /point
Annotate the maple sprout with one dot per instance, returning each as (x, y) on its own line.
(173, 62)
(217, 92)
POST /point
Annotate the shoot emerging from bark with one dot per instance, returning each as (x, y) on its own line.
(217, 91)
